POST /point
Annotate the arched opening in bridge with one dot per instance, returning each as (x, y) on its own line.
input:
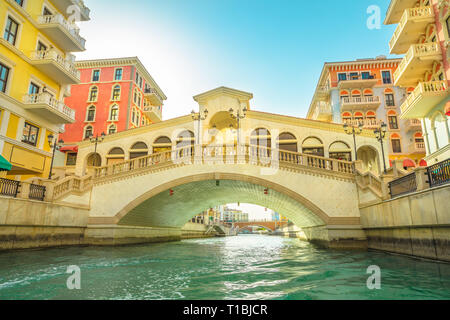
(287, 142)
(223, 129)
(162, 144)
(94, 160)
(313, 146)
(341, 151)
(369, 158)
(139, 149)
(115, 155)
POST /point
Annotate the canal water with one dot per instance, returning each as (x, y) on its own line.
(242, 267)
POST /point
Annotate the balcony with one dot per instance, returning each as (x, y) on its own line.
(417, 148)
(153, 96)
(411, 26)
(323, 92)
(154, 113)
(361, 103)
(418, 59)
(65, 7)
(46, 106)
(396, 10)
(423, 99)
(413, 125)
(322, 111)
(55, 66)
(65, 35)
(357, 82)
(367, 123)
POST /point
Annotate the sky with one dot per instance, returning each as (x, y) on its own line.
(274, 49)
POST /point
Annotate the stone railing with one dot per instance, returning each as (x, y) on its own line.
(361, 100)
(410, 13)
(49, 100)
(417, 51)
(428, 88)
(255, 155)
(154, 109)
(370, 180)
(71, 184)
(52, 55)
(72, 29)
(148, 91)
(322, 108)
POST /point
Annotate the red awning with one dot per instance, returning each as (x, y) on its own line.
(407, 163)
(69, 149)
(391, 163)
(423, 163)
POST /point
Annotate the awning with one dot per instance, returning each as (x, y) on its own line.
(69, 149)
(391, 163)
(423, 163)
(4, 164)
(407, 163)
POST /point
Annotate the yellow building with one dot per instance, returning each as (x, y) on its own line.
(36, 72)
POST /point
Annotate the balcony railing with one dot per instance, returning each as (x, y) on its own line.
(366, 123)
(53, 56)
(322, 111)
(439, 174)
(9, 188)
(37, 192)
(410, 20)
(59, 19)
(417, 147)
(419, 53)
(418, 97)
(413, 124)
(154, 96)
(48, 100)
(403, 185)
(370, 102)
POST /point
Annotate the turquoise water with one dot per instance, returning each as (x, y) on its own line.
(243, 267)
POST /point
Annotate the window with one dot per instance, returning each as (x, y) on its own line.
(116, 93)
(71, 159)
(365, 75)
(342, 76)
(114, 113)
(95, 75)
(93, 94)
(88, 132)
(118, 74)
(90, 114)
(47, 12)
(30, 134)
(390, 100)
(4, 74)
(20, 2)
(34, 88)
(386, 77)
(448, 25)
(393, 122)
(112, 129)
(41, 46)
(354, 76)
(140, 82)
(11, 30)
(396, 145)
(137, 78)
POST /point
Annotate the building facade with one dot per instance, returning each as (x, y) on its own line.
(36, 72)
(114, 95)
(363, 92)
(423, 36)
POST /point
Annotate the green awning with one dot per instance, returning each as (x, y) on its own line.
(4, 164)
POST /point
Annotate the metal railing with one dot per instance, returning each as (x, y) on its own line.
(37, 192)
(404, 185)
(439, 173)
(9, 188)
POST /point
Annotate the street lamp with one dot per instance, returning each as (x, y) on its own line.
(199, 117)
(238, 116)
(55, 146)
(380, 134)
(354, 131)
(97, 140)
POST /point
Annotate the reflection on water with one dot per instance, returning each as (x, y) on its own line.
(243, 267)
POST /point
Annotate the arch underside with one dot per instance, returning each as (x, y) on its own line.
(157, 208)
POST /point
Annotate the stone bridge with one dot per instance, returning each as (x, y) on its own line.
(270, 225)
(153, 179)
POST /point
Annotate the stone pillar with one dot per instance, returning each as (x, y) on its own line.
(421, 178)
(24, 191)
(397, 168)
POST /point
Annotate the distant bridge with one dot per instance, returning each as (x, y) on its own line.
(270, 225)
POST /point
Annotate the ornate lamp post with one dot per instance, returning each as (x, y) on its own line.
(97, 140)
(199, 117)
(238, 116)
(55, 146)
(380, 134)
(354, 131)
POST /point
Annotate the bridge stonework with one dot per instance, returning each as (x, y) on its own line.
(130, 201)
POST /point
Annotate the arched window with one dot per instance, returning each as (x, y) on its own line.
(344, 94)
(90, 115)
(93, 94)
(371, 119)
(162, 144)
(347, 118)
(112, 129)
(287, 142)
(368, 93)
(114, 113)
(396, 143)
(261, 137)
(359, 117)
(88, 132)
(392, 120)
(389, 98)
(138, 150)
(185, 138)
(313, 146)
(116, 93)
(94, 160)
(116, 155)
(340, 150)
